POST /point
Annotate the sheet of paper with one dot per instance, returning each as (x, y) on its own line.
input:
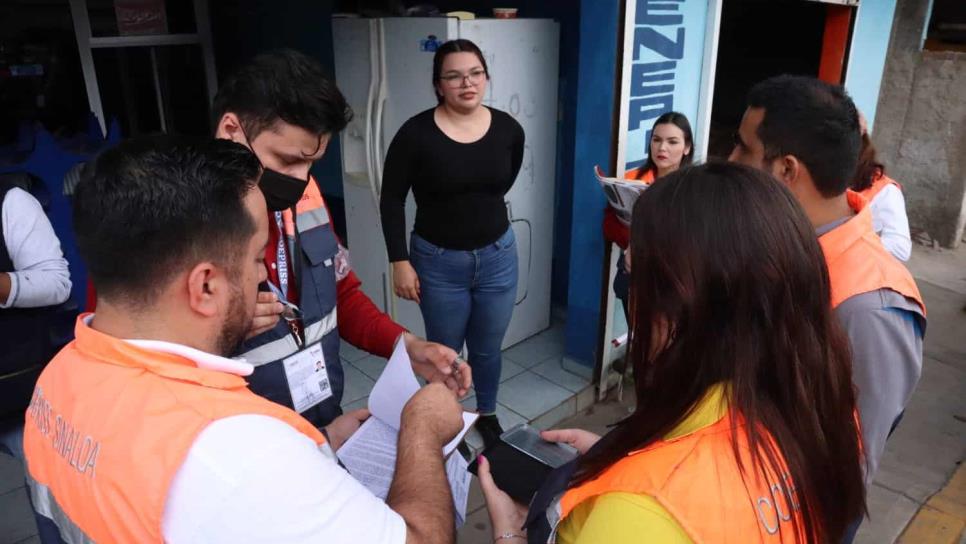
(370, 456)
(395, 386)
(469, 418)
(459, 485)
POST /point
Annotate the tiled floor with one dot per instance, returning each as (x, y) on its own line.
(534, 388)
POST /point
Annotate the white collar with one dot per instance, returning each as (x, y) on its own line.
(201, 359)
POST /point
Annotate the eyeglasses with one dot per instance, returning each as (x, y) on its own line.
(456, 80)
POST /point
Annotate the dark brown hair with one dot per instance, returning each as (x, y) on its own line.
(681, 121)
(725, 257)
(869, 169)
(454, 46)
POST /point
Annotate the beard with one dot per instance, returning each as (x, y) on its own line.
(236, 325)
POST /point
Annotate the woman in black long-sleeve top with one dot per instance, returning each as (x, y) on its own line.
(460, 159)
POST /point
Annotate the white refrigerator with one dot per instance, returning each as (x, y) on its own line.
(384, 68)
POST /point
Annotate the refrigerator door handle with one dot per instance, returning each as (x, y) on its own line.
(374, 47)
(381, 97)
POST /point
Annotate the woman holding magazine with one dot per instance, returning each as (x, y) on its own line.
(460, 159)
(671, 147)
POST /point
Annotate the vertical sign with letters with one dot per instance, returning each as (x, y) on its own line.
(664, 59)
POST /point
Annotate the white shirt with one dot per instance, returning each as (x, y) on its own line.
(41, 276)
(254, 478)
(890, 222)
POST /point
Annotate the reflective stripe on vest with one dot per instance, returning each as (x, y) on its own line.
(109, 426)
(697, 480)
(877, 186)
(285, 346)
(46, 505)
(314, 263)
(857, 261)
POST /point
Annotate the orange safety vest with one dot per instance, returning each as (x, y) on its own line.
(697, 479)
(857, 261)
(635, 175)
(879, 184)
(111, 423)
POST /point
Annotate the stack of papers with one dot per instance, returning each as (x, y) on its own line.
(370, 453)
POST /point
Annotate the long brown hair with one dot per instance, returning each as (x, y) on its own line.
(869, 169)
(723, 255)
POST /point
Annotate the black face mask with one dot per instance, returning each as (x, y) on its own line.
(281, 191)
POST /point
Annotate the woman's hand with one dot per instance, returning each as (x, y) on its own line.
(405, 281)
(506, 515)
(579, 439)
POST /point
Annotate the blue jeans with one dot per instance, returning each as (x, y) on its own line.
(468, 296)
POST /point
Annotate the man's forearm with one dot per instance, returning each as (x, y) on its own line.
(420, 492)
(4, 287)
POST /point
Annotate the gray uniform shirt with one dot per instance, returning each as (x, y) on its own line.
(885, 332)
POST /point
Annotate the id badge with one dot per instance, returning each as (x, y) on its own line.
(308, 380)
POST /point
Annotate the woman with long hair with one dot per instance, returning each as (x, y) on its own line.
(460, 159)
(889, 219)
(670, 148)
(744, 429)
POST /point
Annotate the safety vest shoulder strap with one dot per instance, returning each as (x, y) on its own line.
(858, 263)
(310, 211)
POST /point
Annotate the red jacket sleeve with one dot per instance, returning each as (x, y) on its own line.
(614, 230)
(360, 321)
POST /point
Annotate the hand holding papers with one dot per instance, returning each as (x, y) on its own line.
(621, 194)
(370, 453)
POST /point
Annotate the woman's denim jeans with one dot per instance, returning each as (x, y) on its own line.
(468, 296)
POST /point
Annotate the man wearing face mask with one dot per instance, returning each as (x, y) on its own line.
(283, 108)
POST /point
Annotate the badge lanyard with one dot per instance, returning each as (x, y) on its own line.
(281, 291)
(281, 255)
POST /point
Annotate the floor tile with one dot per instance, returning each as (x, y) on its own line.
(351, 353)
(11, 473)
(556, 415)
(16, 517)
(357, 384)
(371, 365)
(509, 369)
(553, 371)
(531, 395)
(895, 511)
(356, 404)
(477, 529)
(475, 500)
(586, 398)
(35, 539)
(538, 349)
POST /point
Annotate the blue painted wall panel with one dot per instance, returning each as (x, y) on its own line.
(597, 68)
(867, 54)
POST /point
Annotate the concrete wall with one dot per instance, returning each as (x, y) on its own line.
(920, 126)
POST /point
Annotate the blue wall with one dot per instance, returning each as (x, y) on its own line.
(592, 145)
(867, 54)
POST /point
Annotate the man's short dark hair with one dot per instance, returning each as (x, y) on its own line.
(152, 206)
(816, 122)
(286, 85)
